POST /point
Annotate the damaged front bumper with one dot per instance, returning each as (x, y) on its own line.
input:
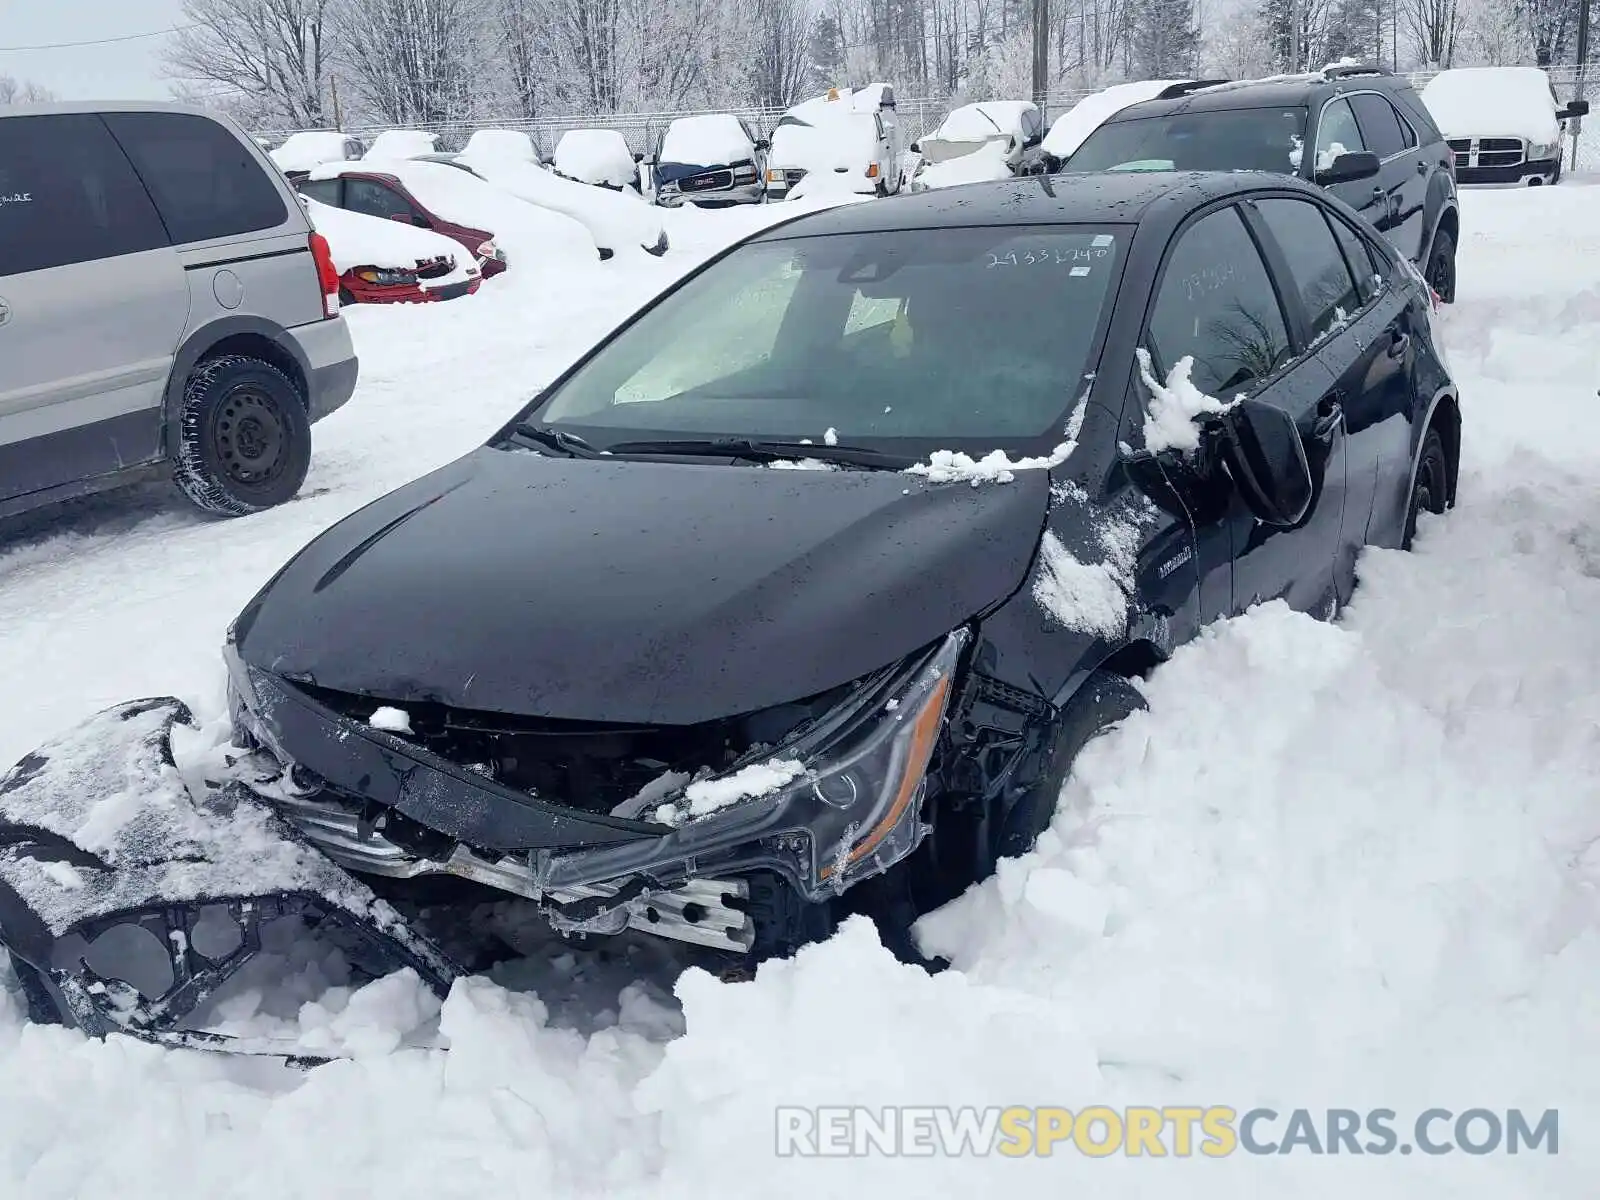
(125, 903)
(837, 801)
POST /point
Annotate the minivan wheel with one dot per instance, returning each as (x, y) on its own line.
(246, 441)
(1442, 267)
(1101, 703)
(1430, 491)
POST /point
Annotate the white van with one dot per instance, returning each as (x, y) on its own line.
(844, 140)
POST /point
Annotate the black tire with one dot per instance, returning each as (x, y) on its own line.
(246, 440)
(346, 296)
(1099, 705)
(1441, 273)
(1431, 489)
(1555, 176)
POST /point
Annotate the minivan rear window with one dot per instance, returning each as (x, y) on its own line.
(68, 195)
(204, 182)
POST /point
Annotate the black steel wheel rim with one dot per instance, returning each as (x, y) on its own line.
(251, 437)
(1442, 279)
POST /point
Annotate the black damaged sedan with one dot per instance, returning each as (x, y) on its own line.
(795, 597)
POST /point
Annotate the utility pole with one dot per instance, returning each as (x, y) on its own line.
(1041, 52)
(1583, 70)
(1294, 36)
(338, 120)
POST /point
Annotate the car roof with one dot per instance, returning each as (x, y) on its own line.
(1091, 198)
(56, 107)
(1279, 91)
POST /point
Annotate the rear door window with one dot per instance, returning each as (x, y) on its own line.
(1358, 254)
(1216, 304)
(68, 195)
(204, 182)
(1317, 270)
(1380, 124)
(325, 190)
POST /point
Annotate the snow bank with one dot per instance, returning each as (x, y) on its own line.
(401, 143)
(531, 236)
(357, 240)
(987, 161)
(501, 144)
(595, 156)
(1493, 102)
(708, 140)
(312, 148)
(615, 220)
(1073, 127)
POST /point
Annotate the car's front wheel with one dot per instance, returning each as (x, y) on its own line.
(1430, 491)
(1441, 274)
(245, 437)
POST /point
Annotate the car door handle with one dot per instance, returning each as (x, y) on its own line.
(1399, 343)
(1422, 167)
(1330, 411)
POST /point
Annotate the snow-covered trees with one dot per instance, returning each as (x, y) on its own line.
(311, 63)
(20, 91)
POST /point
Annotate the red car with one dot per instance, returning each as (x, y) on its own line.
(379, 194)
(373, 285)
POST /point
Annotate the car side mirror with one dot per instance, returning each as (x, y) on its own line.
(763, 144)
(1347, 168)
(1261, 448)
(1577, 108)
(916, 147)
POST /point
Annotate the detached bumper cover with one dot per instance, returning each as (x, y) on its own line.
(98, 830)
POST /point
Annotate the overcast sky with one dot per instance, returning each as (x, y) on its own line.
(130, 70)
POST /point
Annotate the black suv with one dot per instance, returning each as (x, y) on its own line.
(1371, 142)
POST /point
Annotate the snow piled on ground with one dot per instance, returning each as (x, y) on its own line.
(1350, 865)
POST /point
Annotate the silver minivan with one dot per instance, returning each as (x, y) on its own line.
(165, 309)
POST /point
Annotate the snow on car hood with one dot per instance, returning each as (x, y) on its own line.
(986, 119)
(616, 220)
(531, 234)
(707, 140)
(501, 144)
(985, 161)
(303, 151)
(1493, 102)
(402, 143)
(1073, 127)
(595, 156)
(638, 591)
(357, 240)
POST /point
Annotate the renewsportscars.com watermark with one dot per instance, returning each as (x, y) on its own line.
(1157, 1132)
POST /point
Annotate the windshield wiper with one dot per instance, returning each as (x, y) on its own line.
(758, 450)
(569, 444)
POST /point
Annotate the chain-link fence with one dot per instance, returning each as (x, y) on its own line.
(918, 115)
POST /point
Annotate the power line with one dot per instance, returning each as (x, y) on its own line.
(131, 37)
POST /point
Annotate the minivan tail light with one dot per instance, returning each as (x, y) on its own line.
(327, 275)
(872, 171)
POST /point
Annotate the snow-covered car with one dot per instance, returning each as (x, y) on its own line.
(990, 139)
(498, 228)
(561, 668)
(301, 152)
(512, 145)
(615, 220)
(710, 160)
(599, 157)
(388, 262)
(402, 143)
(1503, 124)
(1073, 127)
(842, 141)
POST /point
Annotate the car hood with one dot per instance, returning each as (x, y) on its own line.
(638, 592)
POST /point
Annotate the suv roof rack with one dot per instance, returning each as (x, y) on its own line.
(1187, 86)
(1347, 70)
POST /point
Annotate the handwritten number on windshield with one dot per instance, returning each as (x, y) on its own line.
(1057, 257)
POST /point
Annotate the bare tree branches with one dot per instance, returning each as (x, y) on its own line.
(414, 61)
(276, 52)
(20, 91)
(1432, 26)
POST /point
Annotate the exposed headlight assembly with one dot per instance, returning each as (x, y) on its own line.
(846, 805)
